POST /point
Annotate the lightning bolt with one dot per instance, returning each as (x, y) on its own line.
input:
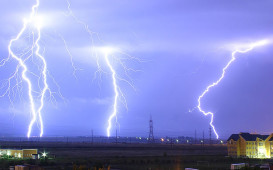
(118, 94)
(45, 89)
(37, 97)
(30, 22)
(114, 113)
(233, 58)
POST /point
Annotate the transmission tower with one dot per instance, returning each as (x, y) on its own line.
(151, 133)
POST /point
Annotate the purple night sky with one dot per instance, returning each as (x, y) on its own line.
(184, 44)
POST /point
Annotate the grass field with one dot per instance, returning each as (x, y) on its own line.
(62, 155)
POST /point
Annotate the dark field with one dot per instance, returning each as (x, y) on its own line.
(62, 155)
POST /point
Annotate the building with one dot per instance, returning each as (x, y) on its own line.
(237, 166)
(26, 167)
(18, 153)
(250, 145)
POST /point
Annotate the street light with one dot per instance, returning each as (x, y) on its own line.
(8, 153)
(44, 155)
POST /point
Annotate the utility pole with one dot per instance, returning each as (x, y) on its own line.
(195, 136)
(210, 142)
(203, 137)
(151, 132)
(172, 142)
(92, 136)
(116, 135)
(203, 143)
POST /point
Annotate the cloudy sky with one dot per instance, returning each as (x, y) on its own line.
(176, 47)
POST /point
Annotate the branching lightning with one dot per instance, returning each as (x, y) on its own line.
(107, 52)
(34, 50)
(22, 73)
(114, 79)
(44, 71)
(233, 58)
(31, 54)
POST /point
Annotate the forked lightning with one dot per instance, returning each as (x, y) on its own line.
(233, 58)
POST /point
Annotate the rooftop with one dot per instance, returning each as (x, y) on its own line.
(249, 137)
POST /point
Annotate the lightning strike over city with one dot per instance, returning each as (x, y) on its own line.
(32, 51)
(107, 52)
(114, 114)
(37, 105)
(115, 72)
(238, 50)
